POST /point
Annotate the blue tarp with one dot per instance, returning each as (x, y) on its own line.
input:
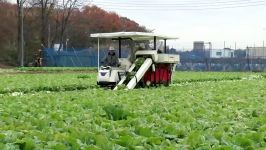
(75, 57)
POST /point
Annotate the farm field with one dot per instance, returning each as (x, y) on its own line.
(199, 110)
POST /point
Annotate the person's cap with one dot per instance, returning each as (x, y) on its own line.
(111, 48)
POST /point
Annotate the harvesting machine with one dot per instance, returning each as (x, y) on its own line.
(143, 66)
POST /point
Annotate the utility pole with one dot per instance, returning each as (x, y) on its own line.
(248, 59)
(207, 55)
(49, 34)
(21, 35)
(263, 49)
(264, 29)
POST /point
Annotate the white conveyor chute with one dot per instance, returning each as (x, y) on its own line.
(140, 73)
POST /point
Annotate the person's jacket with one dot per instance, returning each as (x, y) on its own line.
(111, 60)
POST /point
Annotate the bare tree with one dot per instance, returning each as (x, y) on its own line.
(20, 37)
(60, 10)
(46, 9)
(47, 6)
(64, 10)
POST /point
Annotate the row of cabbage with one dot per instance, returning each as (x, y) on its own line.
(46, 82)
(33, 82)
(181, 77)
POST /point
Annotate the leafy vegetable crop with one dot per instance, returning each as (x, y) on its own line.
(229, 114)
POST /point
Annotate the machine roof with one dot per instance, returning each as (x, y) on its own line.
(133, 35)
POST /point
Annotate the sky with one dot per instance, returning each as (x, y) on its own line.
(233, 22)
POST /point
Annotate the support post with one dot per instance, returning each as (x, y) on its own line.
(164, 45)
(154, 42)
(119, 47)
(98, 54)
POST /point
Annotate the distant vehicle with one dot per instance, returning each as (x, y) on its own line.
(57, 46)
(147, 67)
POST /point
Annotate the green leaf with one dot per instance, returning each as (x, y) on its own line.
(243, 141)
(128, 141)
(26, 144)
(194, 139)
(103, 142)
(60, 146)
(144, 131)
(2, 137)
(116, 112)
(155, 140)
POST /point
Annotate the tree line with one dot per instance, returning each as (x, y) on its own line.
(39, 24)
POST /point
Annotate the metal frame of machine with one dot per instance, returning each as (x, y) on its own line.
(156, 68)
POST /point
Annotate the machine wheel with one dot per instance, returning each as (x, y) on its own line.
(148, 83)
(141, 83)
(167, 83)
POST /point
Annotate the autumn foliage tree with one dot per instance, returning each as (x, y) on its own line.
(8, 33)
(59, 24)
(92, 19)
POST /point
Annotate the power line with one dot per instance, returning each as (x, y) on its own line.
(178, 3)
(174, 2)
(181, 8)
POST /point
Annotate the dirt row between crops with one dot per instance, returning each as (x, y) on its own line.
(50, 89)
(48, 72)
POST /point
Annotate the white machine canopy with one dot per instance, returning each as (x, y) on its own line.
(137, 36)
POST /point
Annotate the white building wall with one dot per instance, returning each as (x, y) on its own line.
(221, 53)
(256, 52)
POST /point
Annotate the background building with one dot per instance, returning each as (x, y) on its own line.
(256, 52)
(222, 53)
(198, 46)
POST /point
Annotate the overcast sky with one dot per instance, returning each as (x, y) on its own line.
(198, 20)
(234, 21)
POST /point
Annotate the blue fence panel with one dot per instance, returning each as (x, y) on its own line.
(75, 57)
